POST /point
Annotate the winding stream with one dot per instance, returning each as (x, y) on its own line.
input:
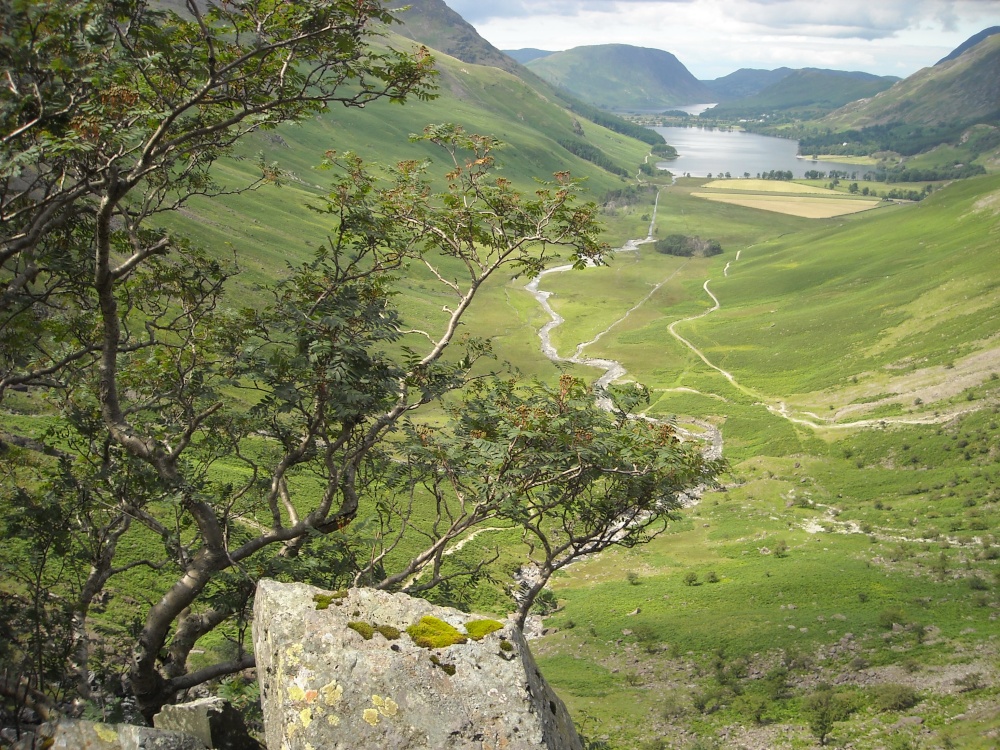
(614, 370)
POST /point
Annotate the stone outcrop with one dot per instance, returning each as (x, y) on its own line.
(70, 734)
(212, 720)
(339, 671)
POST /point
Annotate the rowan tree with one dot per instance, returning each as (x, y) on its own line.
(241, 437)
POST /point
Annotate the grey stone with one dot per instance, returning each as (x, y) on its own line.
(70, 734)
(324, 686)
(212, 720)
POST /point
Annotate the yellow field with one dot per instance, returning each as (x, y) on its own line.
(767, 186)
(862, 161)
(808, 207)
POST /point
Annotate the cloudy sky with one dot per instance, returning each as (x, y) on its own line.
(715, 37)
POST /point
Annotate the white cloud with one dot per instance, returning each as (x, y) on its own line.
(715, 37)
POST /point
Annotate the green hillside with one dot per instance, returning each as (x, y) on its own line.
(955, 92)
(806, 94)
(746, 82)
(278, 225)
(622, 77)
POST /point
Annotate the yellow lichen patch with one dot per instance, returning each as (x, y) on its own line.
(306, 717)
(333, 720)
(106, 733)
(293, 652)
(332, 693)
(296, 693)
(371, 716)
(385, 706)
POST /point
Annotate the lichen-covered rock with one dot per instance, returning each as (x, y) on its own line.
(70, 734)
(212, 720)
(324, 685)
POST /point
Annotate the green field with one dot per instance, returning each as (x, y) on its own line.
(860, 424)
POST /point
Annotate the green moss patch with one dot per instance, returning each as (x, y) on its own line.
(323, 601)
(364, 629)
(448, 669)
(388, 632)
(431, 632)
(479, 629)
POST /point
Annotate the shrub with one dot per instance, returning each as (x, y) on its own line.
(824, 708)
(672, 707)
(753, 706)
(978, 584)
(707, 701)
(971, 681)
(891, 616)
(690, 578)
(633, 578)
(892, 696)
(712, 577)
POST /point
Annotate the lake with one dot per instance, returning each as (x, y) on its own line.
(703, 152)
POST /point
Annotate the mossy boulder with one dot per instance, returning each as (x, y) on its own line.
(324, 687)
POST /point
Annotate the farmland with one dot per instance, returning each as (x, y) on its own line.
(794, 199)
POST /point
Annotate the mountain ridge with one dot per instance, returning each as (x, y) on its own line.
(962, 89)
(812, 91)
(622, 76)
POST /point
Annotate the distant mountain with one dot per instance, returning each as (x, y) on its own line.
(745, 82)
(433, 23)
(960, 90)
(526, 55)
(810, 92)
(971, 42)
(622, 77)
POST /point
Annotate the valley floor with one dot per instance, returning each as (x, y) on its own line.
(853, 545)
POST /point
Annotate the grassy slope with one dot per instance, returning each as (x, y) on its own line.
(274, 227)
(966, 88)
(897, 520)
(275, 224)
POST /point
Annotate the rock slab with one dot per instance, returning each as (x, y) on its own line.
(324, 685)
(212, 720)
(70, 734)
